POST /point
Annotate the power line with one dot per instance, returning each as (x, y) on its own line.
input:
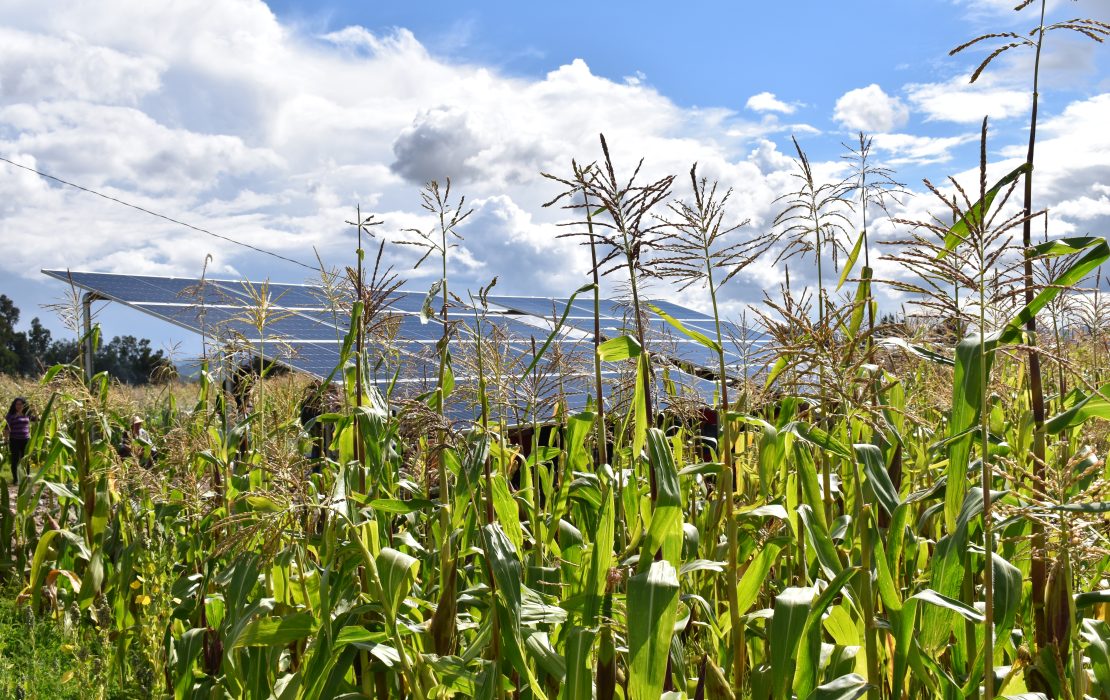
(160, 216)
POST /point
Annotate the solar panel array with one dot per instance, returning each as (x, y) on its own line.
(300, 328)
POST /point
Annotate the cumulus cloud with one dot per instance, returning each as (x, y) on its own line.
(1073, 163)
(905, 149)
(767, 102)
(768, 158)
(871, 110)
(35, 67)
(122, 145)
(959, 101)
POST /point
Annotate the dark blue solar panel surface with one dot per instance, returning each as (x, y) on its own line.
(411, 302)
(544, 308)
(287, 296)
(302, 331)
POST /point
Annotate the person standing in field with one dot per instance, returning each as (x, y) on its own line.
(17, 428)
(137, 443)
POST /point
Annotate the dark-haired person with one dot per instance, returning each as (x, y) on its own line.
(17, 428)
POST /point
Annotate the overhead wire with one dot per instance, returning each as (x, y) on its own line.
(170, 219)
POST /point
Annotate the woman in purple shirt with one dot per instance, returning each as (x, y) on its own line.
(17, 428)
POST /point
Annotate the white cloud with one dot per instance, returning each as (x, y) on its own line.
(1083, 208)
(871, 110)
(996, 10)
(101, 144)
(919, 150)
(35, 67)
(767, 102)
(958, 101)
(1072, 161)
(768, 158)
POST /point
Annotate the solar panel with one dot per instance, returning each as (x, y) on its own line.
(536, 306)
(680, 312)
(299, 329)
(287, 296)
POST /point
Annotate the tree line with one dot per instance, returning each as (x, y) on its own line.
(129, 359)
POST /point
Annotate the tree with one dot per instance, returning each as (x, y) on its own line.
(13, 345)
(127, 358)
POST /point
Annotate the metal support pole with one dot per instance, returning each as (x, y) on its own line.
(86, 316)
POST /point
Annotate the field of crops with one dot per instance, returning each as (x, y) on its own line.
(881, 512)
(871, 508)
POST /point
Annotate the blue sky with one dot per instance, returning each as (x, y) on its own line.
(269, 123)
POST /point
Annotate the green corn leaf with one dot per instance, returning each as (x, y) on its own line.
(776, 369)
(1097, 252)
(1007, 596)
(579, 642)
(640, 418)
(508, 573)
(400, 507)
(859, 307)
(555, 331)
(601, 559)
(448, 376)
(1086, 407)
(818, 537)
(701, 565)
(1089, 598)
(751, 583)
(187, 649)
(877, 477)
(427, 311)
(689, 333)
(539, 647)
(38, 566)
(851, 262)
(959, 231)
(580, 638)
(819, 438)
(652, 600)
(787, 624)
(772, 446)
(773, 510)
(263, 504)
(946, 576)
(847, 687)
(888, 591)
(902, 623)
(508, 514)
(368, 640)
(578, 429)
(917, 350)
(807, 672)
(1062, 246)
(398, 572)
(1096, 635)
(665, 530)
(966, 402)
(811, 486)
(962, 609)
(277, 631)
(623, 347)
